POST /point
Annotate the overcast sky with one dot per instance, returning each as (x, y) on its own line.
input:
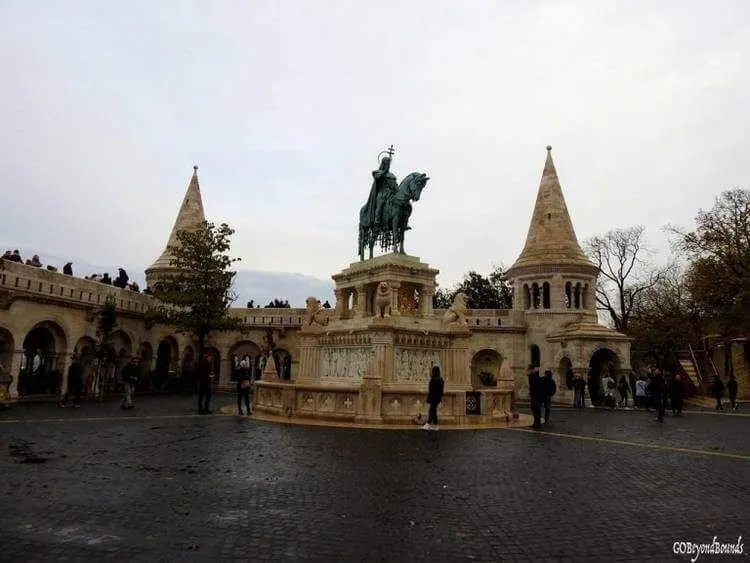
(285, 105)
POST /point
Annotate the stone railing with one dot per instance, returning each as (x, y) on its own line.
(483, 319)
(55, 286)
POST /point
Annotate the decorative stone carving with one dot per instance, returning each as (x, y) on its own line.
(314, 312)
(344, 363)
(414, 366)
(456, 315)
(383, 300)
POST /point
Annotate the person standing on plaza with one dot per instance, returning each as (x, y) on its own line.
(75, 383)
(243, 385)
(535, 397)
(204, 385)
(129, 377)
(677, 393)
(549, 388)
(624, 388)
(609, 391)
(732, 392)
(717, 390)
(579, 387)
(640, 393)
(434, 396)
(656, 388)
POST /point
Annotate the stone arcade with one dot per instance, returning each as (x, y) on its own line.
(367, 359)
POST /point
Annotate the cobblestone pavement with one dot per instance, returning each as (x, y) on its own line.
(162, 484)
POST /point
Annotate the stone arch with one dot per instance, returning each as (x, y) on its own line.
(7, 349)
(485, 367)
(565, 372)
(546, 295)
(243, 348)
(535, 355)
(167, 359)
(577, 296)
(44, 349)
(283, 363)
(568, 295)
(603, 361)
(526, 296)
(535, 296)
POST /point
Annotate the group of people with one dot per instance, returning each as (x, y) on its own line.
(717, 392)
(541, 391)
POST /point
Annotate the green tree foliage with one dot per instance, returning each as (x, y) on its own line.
(198, 297)
(492, 292)
(278, 304)
(719, 249)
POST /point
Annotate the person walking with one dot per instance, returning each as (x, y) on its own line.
(129, 377)
(243, 385)
(535, 395)
(656, 387)
(732, 392)
(204, 385)
(717, 389)
(677, 393)
(609, 391)
(624, 389)
(549, 388)
(434, 396)
(640, 393)
(75, 383)
(579, 387)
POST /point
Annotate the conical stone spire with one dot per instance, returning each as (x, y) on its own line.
(551, 240)
(189, 218)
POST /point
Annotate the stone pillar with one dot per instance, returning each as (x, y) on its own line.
(370, 401)
(395, 287)
(361, 304)
(15, 372)
(225, 369)
(62, 363)
(457, 369)
(425, 300)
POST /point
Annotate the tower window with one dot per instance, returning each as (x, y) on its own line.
(545, 295)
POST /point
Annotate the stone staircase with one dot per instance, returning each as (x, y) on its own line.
(689, 369)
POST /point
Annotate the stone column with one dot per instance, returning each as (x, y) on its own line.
(425, 300)
(225, 368)
(340, 306)
(361, 304)
(395, 287)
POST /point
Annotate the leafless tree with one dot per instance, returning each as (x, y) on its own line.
(624, 274)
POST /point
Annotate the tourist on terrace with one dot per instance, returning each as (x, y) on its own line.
(129, 378)
(122, 279)
(732, 391)
(434, 396)
(106, 279)
(16, 257)
(68, 269)
(75, 383)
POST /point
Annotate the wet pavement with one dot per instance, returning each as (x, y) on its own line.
(164, 484)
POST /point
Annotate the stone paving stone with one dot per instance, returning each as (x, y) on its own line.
(222, 488)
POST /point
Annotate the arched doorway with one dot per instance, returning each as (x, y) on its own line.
(166, 357)
(241, 349)
(7, 348)
(85, 352)
(485, 368)
(43, 350)
(603, 361)
(214, 358)
(283, 363)
(145, 357)
(565, 373)
(535, 356)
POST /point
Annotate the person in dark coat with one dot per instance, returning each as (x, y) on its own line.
(204, 385)
(535, 395)
(129, 377)
(717, 390)
(549, 388)
(434, 396)
(75, 383)
(68, 269)
(677, 393)
(732, 391)
(656, 387)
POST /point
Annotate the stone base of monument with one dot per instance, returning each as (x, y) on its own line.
(371, 363)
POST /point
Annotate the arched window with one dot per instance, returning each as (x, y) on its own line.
(585, 296)
(577, 296)
(535, 296)
(536, 357)
(526, 296)
(568, 295)
(545, 295)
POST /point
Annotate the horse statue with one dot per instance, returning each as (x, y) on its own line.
(394, 211)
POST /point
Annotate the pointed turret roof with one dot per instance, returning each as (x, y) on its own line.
(190, 217)
(551, 240)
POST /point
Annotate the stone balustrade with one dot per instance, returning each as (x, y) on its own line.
(38, 283)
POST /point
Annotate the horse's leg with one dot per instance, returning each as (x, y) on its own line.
(361, 244)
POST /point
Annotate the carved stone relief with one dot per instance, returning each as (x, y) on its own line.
(344, 363)
(414, 366)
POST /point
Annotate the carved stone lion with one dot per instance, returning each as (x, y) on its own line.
(457, 312)
(315, 312)
(383, 300)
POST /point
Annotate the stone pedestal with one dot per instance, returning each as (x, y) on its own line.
(370, 399)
